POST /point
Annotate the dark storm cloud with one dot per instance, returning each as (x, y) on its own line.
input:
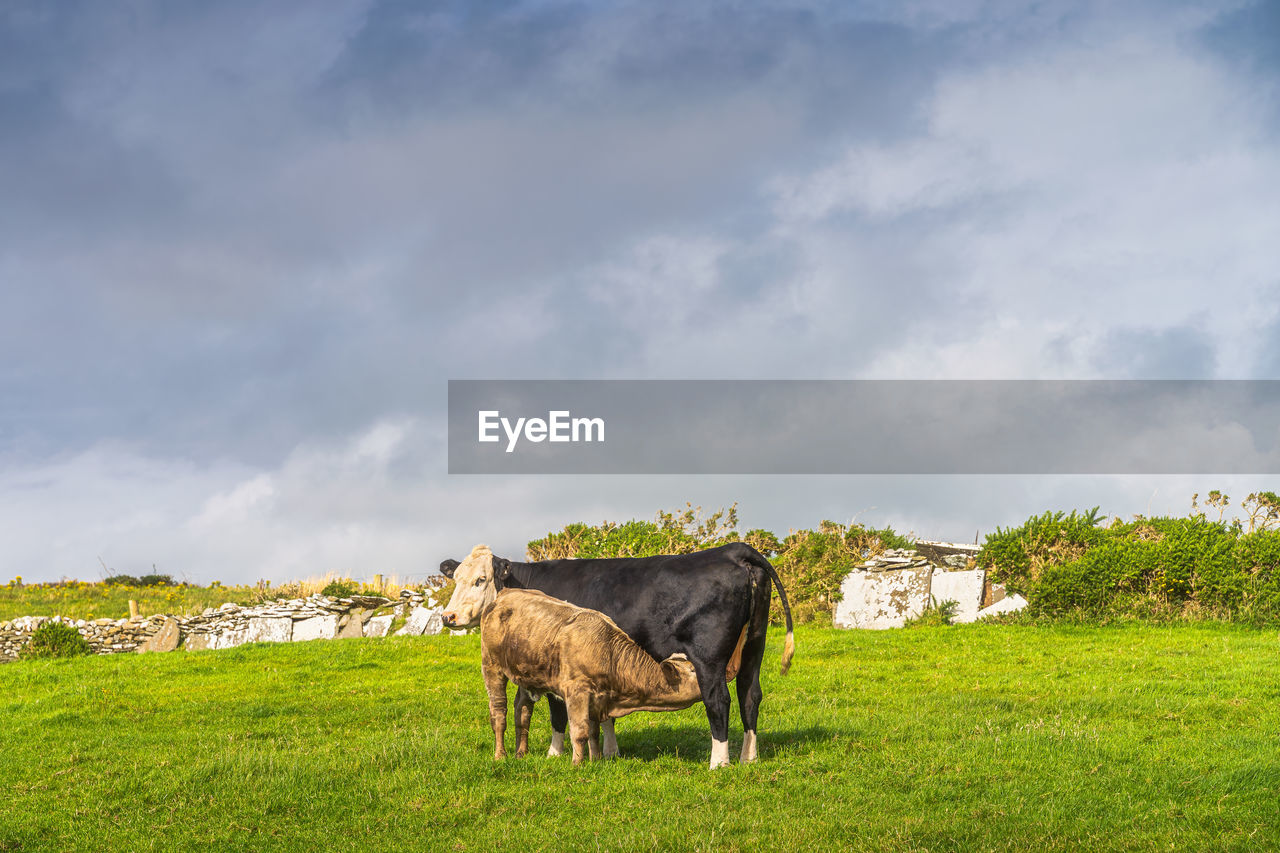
(249, 215)
(616, 58)
(1249, 34)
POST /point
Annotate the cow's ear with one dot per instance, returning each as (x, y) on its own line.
(501, 571)
(447, 567)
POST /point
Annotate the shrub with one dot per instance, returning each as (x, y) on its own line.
(145, 580)
(55, 640)
(936, 614)
(341, 589)
(1148, 568)
(1017, 556)
(681, 532)
(812, 564)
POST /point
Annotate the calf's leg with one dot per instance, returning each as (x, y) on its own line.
(524, 713)
(579, 726)
(594, 740)
(496, 683)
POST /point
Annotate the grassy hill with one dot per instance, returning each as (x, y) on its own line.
(948, 738)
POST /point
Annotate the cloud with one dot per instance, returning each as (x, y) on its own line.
(238, 240)
(1059, 196)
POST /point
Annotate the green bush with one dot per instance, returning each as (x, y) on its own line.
(1016, 557)
(1256, 581)
(937, 614)
(55, 640)
(122, 580)
(341, 589)
(680, 532)
(145, 580)
(1148, 568)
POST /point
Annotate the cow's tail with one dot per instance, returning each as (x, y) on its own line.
(789, 646)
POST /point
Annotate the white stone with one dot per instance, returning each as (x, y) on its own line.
(881, 600)
(1005, 605)
(165, 639)
(422, 621)
(316, 628)
(378, 626)
(352, 629)
(196, 642)
(269, 629)
(964, 588)
(228, 638)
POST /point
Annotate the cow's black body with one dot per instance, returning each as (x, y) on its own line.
(697, 604)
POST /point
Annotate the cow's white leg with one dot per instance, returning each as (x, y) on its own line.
(610, 739)
(748, 746)
(719, 753)
(557, 745)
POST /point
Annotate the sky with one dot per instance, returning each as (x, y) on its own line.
(244, 246)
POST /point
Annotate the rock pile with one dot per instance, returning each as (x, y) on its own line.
(105, 636)
(893, 560)
(316, 617)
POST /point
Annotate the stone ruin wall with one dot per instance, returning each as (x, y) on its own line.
(883, 592)
(900, 584)
(317, 617)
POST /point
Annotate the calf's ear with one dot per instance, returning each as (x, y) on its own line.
(501, 571)
(447, 567)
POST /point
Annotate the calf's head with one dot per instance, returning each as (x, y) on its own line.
(477, 580)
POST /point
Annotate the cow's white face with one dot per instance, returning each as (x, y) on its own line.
(474, 591)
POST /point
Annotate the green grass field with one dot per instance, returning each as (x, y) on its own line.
(966, 738)
(98, 600)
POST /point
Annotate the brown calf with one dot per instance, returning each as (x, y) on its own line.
(546, 645)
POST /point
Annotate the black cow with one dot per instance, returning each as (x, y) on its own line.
(712, 606)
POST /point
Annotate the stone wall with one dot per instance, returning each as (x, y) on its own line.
(317, 617)
(890, 588)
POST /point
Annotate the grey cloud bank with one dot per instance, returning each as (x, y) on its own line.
(243, 248)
